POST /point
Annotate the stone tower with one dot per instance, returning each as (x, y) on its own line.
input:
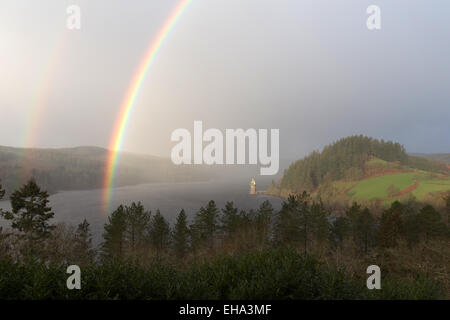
(253, 186)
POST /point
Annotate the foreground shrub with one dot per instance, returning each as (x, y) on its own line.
(272, 274)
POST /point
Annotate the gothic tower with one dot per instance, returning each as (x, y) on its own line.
(253, 186)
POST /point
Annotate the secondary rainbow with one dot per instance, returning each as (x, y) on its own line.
(42, 93)
(130, 98)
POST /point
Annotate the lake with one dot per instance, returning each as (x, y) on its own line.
(73, 206)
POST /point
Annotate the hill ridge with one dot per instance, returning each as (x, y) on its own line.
(353, 169)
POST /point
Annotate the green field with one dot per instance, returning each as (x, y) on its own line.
(428, 186)
(377, 182)
(377, 186)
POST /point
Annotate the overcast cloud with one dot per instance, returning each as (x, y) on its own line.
(310, 68)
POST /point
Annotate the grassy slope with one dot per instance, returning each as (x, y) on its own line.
(380, 177)
(376, 187)
(409, 182)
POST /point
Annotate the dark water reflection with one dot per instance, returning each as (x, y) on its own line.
(73, 206)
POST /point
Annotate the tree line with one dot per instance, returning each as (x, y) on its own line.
(345, 159)
(132, 232)
(83, 168)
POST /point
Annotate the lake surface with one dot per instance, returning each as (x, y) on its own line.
(73, 206)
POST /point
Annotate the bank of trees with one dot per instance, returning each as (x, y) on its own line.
(131, 231)
(346, 159)
(34, 236)
(302, 225)
(209, 229)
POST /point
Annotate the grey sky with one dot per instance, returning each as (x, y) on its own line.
(309, 68)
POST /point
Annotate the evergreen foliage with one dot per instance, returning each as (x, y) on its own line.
(344, 158)
(268, 275)
(30, 213)
(159, 233)
(114, 234)
(205, 226)
(2, 191)
(84, 251)
(255, 254)
(180, 236)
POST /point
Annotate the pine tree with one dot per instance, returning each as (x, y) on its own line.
(2, 191)
(300, 221)
(320, 225)
(391, 225)
(229, 220)
(263, 220)
(195, 237)
(365, 230)
(411, 226)
(180, 235)
(2, 194)
(137, 221)
(340, 229)
(30, 214)
(114, 234)
(84, 251)
(430, 223)
(362, 226)
(205, 225)
(4, 247)
(286, 229)
(159, 233)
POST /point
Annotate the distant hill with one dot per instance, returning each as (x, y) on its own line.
(365, 170)
(439, 157)
(84, 168)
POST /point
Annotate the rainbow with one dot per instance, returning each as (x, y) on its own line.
(130, 99)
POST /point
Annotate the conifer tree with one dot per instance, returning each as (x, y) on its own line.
(2, 191)
(30, 214)
(300, 221)
(362, 226)
(84, 251)
(205, 225)
(263, 220)
(159, 233)
(365, 230)
(286, 229)
(180, 236)
(229, 220)
(430, 223)
(195, 237)
(4, 247)
(2, 194)
(114, 234)
(320, 225)
(391, 224)
(411, 226)
(137, 221)
(340, 229)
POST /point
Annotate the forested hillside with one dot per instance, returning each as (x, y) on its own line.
(365, 169)
(344, 158)
(84, 168)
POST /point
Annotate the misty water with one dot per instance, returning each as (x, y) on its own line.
(72, 207)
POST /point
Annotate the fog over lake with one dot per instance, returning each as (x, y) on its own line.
(72, 207)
